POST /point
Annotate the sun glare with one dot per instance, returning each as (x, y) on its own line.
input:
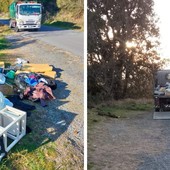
(131, 44)
(163, 12)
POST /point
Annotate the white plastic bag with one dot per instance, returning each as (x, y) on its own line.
(21, 61)
(2, 78)
(2, 101)
(8, 102)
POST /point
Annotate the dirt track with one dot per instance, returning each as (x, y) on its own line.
(138, 143)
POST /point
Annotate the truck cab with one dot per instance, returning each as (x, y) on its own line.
(25, 15)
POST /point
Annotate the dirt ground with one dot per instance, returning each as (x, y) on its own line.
(137, 143)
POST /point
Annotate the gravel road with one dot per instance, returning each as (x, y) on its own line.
(63, 117)
(138, 143)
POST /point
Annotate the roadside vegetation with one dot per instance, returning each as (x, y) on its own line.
(70, 15)
(118, 109)
(4, 30)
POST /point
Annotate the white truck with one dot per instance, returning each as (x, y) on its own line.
(25, 15)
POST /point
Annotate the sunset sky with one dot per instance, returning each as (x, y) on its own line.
(162, 8)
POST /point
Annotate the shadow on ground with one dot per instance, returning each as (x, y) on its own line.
(17, 42)
(155, 162)
(64, 25)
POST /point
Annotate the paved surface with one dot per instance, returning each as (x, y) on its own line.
(67, 40)
(161, 115)
(138, 143)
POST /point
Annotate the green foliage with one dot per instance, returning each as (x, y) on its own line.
(74, 6)
(3, 43)
(4, 30)
(116, 70)
(4, 4)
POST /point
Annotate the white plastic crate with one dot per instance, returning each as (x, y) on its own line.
(12, 128)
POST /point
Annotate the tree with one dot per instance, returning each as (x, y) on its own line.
(122, 41)
(4, 4)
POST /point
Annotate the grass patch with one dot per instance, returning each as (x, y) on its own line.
(93, 118)
(3, 43)
(121, 109)
(90, 166)
(4, 30)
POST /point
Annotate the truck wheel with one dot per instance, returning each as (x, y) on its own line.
(17, 29)
(36, 29)
(157, 109)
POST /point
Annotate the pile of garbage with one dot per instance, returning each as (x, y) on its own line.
(34, 82)
(162, 90)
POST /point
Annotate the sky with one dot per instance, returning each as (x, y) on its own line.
(162, 8)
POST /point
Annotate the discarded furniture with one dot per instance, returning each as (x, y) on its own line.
(12, 128)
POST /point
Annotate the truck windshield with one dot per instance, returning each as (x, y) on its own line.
(30, 9)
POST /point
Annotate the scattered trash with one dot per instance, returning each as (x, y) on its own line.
(42, 80)
(8, 103)
(28, 83)
(2, 78)
(13, 128)
(34, 82)
(21, 61)
(40, 91)
(6, 89)
(4, 102)
(2, 66)
(10, 74)
(15, 67)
